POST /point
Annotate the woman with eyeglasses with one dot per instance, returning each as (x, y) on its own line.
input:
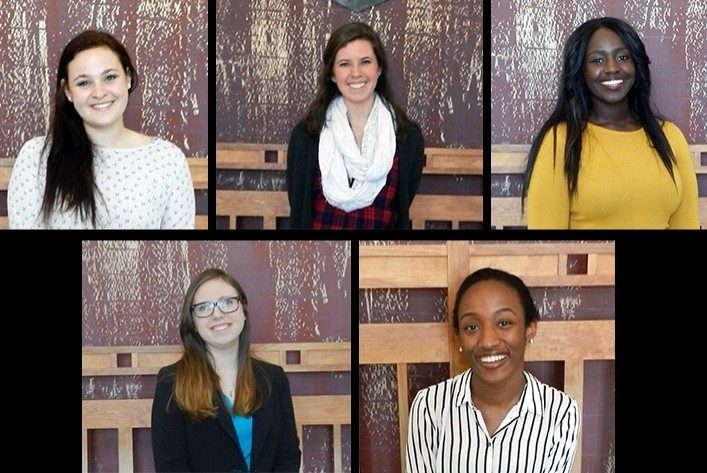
(218, 408)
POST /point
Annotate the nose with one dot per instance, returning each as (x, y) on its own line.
(610, 65)
(488, 338)
(98, 90)
(355, 70)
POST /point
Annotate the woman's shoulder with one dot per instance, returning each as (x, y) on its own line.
(302, 132)
(167, 148)
(671, 130)
(447, 388)
(33, 146)
(166, 373)
(270, 370)
(549, 396)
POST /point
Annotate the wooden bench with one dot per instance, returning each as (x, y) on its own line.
(272, 205)
(445, 266)
(199, 174)
(128, 414)
(508, 163)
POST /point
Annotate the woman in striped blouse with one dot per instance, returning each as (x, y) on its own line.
(493, 417)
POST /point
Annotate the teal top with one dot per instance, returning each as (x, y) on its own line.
(244, 431)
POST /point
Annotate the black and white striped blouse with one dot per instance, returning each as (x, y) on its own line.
(446, 433)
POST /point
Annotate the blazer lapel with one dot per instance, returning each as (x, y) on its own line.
(224, 418)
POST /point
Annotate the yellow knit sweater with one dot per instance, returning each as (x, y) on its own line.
(622, 183)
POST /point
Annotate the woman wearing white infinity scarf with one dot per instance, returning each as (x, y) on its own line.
(355, 160)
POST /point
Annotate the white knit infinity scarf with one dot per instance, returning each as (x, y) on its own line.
(340, 158)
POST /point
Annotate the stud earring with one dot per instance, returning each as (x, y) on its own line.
(460, 349)
(530, 340)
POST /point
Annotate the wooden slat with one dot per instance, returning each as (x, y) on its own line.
(266, 204)
(402, 251)
(402, 272)
(125, 450)
(574, 387)
(402, 381)
(454, 208)
(147, 360)
(506, 212)
(322, 410)
(116, 414)
(454, 161)
(573, 339)
(543, 248)
(199, 168)
(403, 343)
(338, 467)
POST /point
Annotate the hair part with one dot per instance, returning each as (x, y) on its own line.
(196, 380)
(327, 89)
(574, 102)
(70, 183)
(530, 311)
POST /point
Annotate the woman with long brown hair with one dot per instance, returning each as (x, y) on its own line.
(355, 160)
(218, 408)
(90, 170)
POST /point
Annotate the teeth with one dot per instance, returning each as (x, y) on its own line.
(357, 86)
(612, 82)
(492, 359)
(221, 327)
(102, 106)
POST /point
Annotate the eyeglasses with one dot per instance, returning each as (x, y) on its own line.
(225, 304)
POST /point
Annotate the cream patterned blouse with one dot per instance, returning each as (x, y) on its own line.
(148, 187)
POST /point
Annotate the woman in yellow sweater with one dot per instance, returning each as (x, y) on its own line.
(604, 159)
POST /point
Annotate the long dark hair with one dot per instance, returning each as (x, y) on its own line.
(327, 89)
(530, 311)
(70, 179)
(575, 101)
(196, 379)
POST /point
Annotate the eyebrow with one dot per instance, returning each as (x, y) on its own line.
(604, 51)
(101, 74)
(503, 309)
(347, 59)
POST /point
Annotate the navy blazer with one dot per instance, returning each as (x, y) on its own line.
(211, 445)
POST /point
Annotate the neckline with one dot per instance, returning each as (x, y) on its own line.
(153, 141)
(611, 130)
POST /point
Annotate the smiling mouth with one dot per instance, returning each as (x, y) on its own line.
(357, 85)
(220, 327)
(492, 358)
(101, 106)
(615, 84)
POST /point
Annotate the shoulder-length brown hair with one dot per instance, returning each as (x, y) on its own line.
(196, 380)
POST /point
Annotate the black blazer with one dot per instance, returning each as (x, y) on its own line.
(303, 160)
(211, 445)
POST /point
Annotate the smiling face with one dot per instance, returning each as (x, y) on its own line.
(609, 70)
(219, 330)
(492, 332)
(356, 72)
(98, 86)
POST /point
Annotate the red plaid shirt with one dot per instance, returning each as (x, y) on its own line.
(382, 213)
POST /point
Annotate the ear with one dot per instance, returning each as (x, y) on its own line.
(65, 88)
(129, 78)
(380, 70)
(531, 330)
(333, 80)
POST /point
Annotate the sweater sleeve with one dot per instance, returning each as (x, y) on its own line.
(296, 175)
(180, 210)
(25, 190)
(548, 202)
(686, 215)
(288, 455)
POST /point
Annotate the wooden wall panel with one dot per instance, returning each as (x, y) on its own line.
(167, 41)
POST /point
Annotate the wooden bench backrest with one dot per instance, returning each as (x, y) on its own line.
(445, 266)
(273, 205)
(128, 414)
(510, 160)
(199, 174)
